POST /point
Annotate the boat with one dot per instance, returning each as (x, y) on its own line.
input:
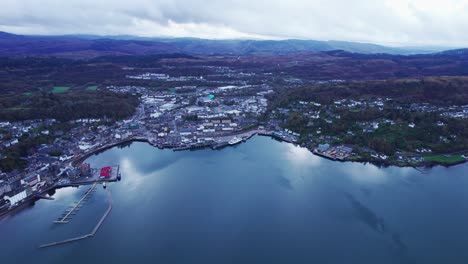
(234, 141)
(104, 185)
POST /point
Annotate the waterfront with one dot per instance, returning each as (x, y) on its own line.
(260, 201)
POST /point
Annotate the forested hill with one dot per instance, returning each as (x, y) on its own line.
(436, 90)
(67, 106)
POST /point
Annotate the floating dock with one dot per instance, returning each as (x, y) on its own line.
(74, 209)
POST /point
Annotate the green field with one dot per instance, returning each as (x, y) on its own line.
(92, 88)
(60, 89)
(15, 108)
(445, 159)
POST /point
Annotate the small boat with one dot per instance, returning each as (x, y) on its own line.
(234, 141)
(104, 185)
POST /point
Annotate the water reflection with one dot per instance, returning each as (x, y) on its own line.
(369, 173)
(65, 193)
(301, 156)
(284, 182)
(371, 219)
(262, 202)
(366, 215)
(129, 169)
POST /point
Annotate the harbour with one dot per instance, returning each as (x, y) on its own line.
(76, 207)
(297, 205)
(90, 235)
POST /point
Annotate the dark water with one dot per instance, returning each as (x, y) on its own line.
(259, 202)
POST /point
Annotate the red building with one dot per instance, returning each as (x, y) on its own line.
(105, 172)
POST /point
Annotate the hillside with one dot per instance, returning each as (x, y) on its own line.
(93, 46)
(434, 90)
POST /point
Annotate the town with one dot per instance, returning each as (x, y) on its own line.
(207, 115)
(183, 118)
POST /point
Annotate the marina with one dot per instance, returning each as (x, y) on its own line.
(92, 233)
(75, 208)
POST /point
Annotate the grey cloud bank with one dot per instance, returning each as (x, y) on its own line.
(395, 22)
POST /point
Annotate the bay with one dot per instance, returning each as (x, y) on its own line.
(258, 202)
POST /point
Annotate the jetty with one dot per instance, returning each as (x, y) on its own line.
(41, 196)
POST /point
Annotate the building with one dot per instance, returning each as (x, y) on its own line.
(4, 187)
(323, 147)
(15, 199)
(31, 180)
(85, 170)
(105, 172)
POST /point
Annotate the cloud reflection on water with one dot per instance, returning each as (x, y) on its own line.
(301, 163)
(129, 169)
(365, 173)
(302, 156)
(66, 193)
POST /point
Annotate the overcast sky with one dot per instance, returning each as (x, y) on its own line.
(391, 22)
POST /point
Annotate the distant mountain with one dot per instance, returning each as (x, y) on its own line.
(88, 46)
(205, 46)
(69, 46)
(455, 52)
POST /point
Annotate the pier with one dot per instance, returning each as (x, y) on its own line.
(74, 209)
(91, 234)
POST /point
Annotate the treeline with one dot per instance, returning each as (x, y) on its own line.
(141, 60)
(68, 106)
(34, 62)
(18, 74)
(435, 90)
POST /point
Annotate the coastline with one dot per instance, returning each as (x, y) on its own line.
(217, 146)
(29, 201)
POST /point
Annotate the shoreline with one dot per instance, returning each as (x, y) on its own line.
(30, 201)
(218, 146)
(214, 146)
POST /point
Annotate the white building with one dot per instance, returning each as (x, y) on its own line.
(15, 199)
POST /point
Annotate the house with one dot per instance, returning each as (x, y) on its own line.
(186, 131)
(368, 130)
(11, 143)
(31, 180)
(412, 125)
(323, 147)
(4, 187)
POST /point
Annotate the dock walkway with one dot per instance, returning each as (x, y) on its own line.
(72, 211)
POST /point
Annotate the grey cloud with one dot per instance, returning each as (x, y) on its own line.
(406, 22)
